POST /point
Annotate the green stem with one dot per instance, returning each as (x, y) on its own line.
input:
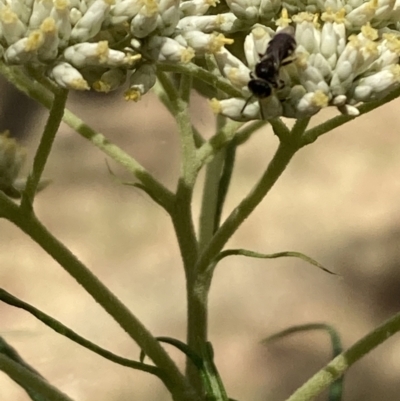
(225, 181)
(30, 380)
(60, 328)
(38, 93)
(314, 133)
(339, 365)
(209, 206)
(218, 141)
(43, 151)
(29, 224)
(276, 167)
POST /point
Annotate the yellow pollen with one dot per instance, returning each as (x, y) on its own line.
(331, 16)
(109, 2)
(219, 20)
(217, 41)
(212, 3)
(369, 32)
(35, 40)
(79, 84)
(320, 99)
(303, 17)
(392, 42)
(132, 58)
(101, 86)
(285, 20)
(187, 55)
(354, 41)
(132, 95)
(8, 16)
(102, 51)
(61, 5)
(395, 70)
(371, 48)
(150, 7)
(48, 25)
(372, 5)
(215, 106)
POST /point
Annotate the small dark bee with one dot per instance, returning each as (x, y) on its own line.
(279, 53)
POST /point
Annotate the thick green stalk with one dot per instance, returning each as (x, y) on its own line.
(45, 145)
(339, 365)
(28, 223)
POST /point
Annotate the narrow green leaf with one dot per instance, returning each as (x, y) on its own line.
(287, 254)
(336, 388)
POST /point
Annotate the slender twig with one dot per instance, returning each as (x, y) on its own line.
(30, 380)
(339, 365)
(44, 148)
(218, 141)
(314, 133)
(67, 332)
(28, 223)
(282, 157)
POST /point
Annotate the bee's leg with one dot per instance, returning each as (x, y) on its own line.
(246, 103)
(261, 111)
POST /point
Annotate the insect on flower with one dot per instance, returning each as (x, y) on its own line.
(265, 77)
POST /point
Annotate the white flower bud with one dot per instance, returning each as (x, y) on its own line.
(90, 23)
(313, 102)
(203, 43)
(145, 22)
(307, 33)
(124, 10)
(377, 85)
(61, 15)
(74, 16)
(256, 43)
(196, 7)
(68, 77)
(363, 14)
(233, 69)
(141, 81)
(97, 54)
(224, 23)
(168, 16)
(25, 49)
(40, 11)
(49, 49)
(233, 108)
(11, 27)
(245, 10)
(160, 48)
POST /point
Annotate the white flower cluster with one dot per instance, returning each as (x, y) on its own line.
(340, 60)
(347, 50)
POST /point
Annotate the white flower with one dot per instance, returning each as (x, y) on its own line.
(233, 108)
(68, 77)
(90, 23)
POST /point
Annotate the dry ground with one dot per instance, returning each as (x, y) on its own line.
(338, 202)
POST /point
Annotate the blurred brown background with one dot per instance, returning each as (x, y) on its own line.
(338, 202)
